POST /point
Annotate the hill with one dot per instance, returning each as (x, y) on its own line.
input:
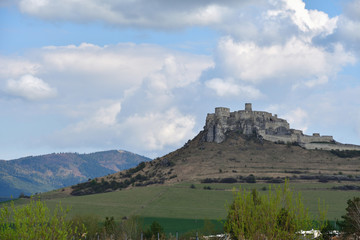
(241, 146)
(239, 158)
(34, 174)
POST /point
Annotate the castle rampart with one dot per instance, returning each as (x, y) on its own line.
(265, 125)
(222, 112)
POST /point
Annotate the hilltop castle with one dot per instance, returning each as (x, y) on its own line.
(266, 126)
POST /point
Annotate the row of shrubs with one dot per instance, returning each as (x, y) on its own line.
(327, 178)
(93, 186)
(346, 153)
(252, 179)
(249, 179)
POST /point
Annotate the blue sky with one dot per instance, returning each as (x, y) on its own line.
(84, 76)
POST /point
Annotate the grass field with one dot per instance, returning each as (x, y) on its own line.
(173, 225)
(181, 208)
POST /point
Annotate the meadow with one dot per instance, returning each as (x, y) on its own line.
(181, 208)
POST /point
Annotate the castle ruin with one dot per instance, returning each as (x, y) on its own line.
(266, 126)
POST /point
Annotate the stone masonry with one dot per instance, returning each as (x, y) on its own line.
(266, 126)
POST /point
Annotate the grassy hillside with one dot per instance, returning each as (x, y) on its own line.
(180, 208)
(183, 202)
(238, 159)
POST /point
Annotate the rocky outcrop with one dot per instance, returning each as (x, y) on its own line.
(266, 126)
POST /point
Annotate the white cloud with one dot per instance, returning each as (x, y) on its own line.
(115, 69)
(97, 127)
(228, 87)
(144, 131)
(13, 68)
(116, 65)
(88, 71)
(175, 73)
(298, 119)
(114, 96)
(138, 13)
(352, 10)
(308, 21)
(296, 60)
(348, 27)
(103, 118)
(144, 96)
(154, 131)
(30, 87)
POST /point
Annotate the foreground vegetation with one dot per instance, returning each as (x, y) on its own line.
(35, 221)
(279, 214)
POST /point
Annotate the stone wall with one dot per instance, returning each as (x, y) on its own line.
(334, 146)
(264, 124)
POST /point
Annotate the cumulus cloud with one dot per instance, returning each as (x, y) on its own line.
(114, 69)
(311, 22)
(115, 65)
(139, 13)
(14, 67)
(151, 95)
(175, 73)
(156, 130)
(352, 10)
(102, 118)
(99, 87)
(228, 87)
(347, 31)
(278, 43)
(97, 127)
(298, 119)
(296, 60)
(30, 87)
(141, 131)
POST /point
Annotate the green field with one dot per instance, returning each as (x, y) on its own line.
(181, 208)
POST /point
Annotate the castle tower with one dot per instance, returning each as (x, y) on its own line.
(248, 107)
(222, 112)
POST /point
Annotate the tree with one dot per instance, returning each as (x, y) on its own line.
(277, 215)
(110, 225)
(35, 221)
(351, 220)
(131, 228)
(154, 230)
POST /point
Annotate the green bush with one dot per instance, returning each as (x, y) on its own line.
(250, 179)
(277, 215)
(35, 221)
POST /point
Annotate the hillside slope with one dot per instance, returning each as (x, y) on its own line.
(47, 172)
(239, 158)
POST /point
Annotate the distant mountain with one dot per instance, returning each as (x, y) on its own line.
(34, 174)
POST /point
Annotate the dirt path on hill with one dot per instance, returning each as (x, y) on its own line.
(137, 211)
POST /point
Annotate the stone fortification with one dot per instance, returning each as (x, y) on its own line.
(266, 126)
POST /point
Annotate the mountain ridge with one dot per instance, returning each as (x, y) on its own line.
(46, 172)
